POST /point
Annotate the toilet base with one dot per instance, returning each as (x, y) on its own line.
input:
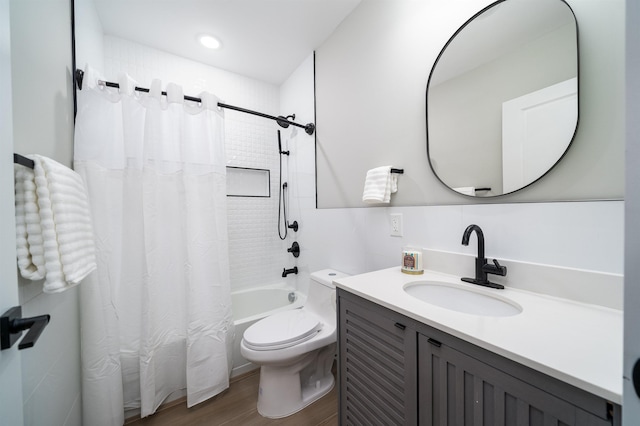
(285, 390)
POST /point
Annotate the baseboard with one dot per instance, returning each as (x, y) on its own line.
(244, 369)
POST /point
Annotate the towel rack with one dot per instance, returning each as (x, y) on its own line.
(23, 161)
(27, 162)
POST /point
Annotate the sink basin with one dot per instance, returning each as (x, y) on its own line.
(462, 299)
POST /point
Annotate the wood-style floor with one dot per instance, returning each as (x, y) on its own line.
(237, 406)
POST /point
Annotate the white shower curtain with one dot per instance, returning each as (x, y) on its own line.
(156, 314)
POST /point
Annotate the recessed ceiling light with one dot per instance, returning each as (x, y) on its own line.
(209, 42)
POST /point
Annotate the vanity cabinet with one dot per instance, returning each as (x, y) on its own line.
(377, 365)
(395, 370)
(457, 389)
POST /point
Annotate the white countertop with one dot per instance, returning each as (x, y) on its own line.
(577, 343)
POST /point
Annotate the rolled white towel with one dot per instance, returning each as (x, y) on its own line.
(379, 184)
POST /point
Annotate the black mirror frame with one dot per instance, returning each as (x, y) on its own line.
(444, 48)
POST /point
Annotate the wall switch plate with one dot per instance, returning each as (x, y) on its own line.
(396, 224)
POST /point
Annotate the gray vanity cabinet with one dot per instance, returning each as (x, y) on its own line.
(377, 367)
(456, 389)
(395, 370)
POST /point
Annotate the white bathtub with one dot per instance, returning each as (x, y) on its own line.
(251, 305)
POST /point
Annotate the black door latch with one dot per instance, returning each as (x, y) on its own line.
(12, 324)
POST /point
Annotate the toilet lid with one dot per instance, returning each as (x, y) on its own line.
(282, 330)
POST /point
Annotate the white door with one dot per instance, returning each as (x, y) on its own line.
(631, 404)
(10, 366)
(536, 130)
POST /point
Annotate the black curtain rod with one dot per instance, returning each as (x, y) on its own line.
(282, 121)
(398, 171)
(23, 161)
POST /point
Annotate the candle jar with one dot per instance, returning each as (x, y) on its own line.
(412, 261)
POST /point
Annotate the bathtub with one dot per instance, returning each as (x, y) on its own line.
(251, 305)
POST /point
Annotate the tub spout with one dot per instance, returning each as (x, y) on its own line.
(286, 272)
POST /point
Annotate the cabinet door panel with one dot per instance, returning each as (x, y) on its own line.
(365, 335)
(584, 418)
(455, 389)
(377, 367)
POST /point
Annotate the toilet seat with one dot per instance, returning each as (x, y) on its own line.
(282, 330)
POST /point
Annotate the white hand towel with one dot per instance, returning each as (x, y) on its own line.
(69, 248)
(29, 242)
(379, 184)
(466, 190)
(55, 236)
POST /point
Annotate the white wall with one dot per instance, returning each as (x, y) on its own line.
(581, 235)
(43, 124)
(10, 359)
(371, 81)
(296, 95)
(631, 411)
(89, 35)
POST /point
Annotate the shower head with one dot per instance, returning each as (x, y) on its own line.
(284, 121)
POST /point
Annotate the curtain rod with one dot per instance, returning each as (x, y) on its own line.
(282, 121)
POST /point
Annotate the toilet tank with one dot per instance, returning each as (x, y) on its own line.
(322, 293)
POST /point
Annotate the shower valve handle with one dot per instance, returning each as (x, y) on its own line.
(295, 249)
(293, 226)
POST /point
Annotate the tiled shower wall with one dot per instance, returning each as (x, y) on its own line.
(257, 255)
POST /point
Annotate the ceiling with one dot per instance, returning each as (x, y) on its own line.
(262, 39)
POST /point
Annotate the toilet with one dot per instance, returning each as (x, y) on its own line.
(295, 350)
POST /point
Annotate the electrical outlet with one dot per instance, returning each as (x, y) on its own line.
(396, 224)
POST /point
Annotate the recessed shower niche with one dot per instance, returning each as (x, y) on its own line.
(247, 182)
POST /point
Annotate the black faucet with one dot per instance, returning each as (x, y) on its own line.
(482, 267)
(286, 272)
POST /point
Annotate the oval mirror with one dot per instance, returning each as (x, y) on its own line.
(502, 97)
